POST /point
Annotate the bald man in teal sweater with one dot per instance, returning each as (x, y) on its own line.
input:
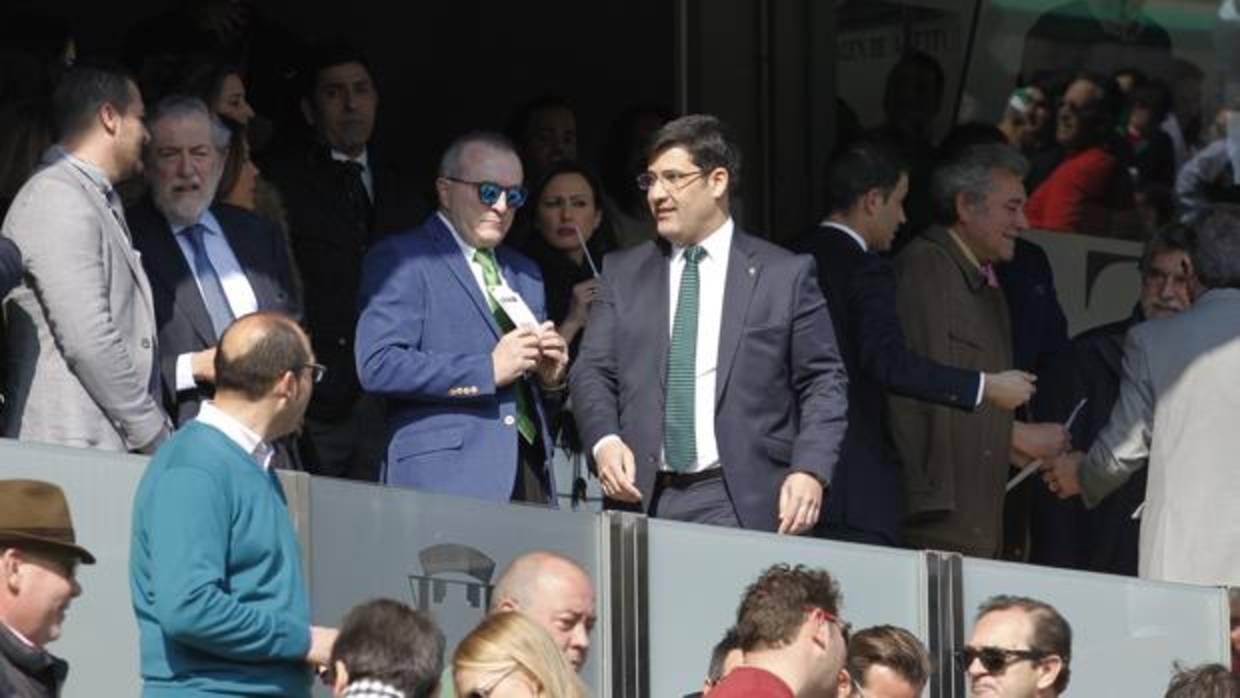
(215, 567)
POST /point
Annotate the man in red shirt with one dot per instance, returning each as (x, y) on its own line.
(792, 636)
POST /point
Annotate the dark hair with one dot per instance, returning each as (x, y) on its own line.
(326, 55)
(706, 139)
(773, 608)
(1051, 632)
(83, 89)
(910, 62)
(891, 647)
(197, 75)
(25, 132)
(1155, 96)
(238, 149)
(859, 168)
(730, 641)
(520, 121)
(970, 172)
(1107, 109)
(387, 641)
(1205, 681)
(970, 133)
(1173, 237)
(571, 167)
(277, 347)
(1216, 259)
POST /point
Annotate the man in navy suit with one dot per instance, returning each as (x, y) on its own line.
(207, 264)
(709, 386)
(452, 333)
(867, 184)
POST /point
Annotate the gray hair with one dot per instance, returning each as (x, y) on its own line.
(1216, 260)
(181, 106)
(450, 163)
(969, 172)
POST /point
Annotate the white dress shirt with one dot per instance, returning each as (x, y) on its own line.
(245, 437)
(368, 179)
(237, 288)
(469, 250)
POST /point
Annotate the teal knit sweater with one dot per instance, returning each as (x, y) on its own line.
(215, 574)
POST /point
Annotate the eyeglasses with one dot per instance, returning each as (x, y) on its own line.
(671, 179)
(485, 691)
(995, 659)
(317, 371)
(489, 192)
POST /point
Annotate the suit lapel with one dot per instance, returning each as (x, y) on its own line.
(251, 258)
(742, 274)
(442, 238)
(169, 268)
(650, 300)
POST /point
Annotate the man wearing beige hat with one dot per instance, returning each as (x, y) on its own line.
(38, 561)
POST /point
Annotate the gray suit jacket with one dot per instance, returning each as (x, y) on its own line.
(81, 327)
(1179, 402)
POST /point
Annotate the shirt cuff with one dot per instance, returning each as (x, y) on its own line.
(981, 389)
(603, 442)
(185, 372)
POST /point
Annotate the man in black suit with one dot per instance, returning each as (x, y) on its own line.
(709, 386)
(208, 264)
(867, 185)
(342, 196)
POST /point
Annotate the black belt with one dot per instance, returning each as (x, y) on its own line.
(668, 478)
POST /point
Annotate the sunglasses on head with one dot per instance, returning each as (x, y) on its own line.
(489, 192)
(995, 659)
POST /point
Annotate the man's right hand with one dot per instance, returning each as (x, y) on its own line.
(1010, 389)
(203, 365)
(516, 353)
(321, 641)
(617, 471)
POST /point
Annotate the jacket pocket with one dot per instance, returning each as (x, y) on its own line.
(422, 443)
(779, 450)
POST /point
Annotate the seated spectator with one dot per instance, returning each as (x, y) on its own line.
(1025, 118)
(510, 655)
(39, 556)
(886, 662)
(1148, 106)
(725, 657)
(792, 635)
(1090, 185)
(1019, 648)
(1205, 681)
(386, 650)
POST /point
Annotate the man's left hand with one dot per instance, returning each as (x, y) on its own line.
(552, 358)
(800, 500)
(1063, 474)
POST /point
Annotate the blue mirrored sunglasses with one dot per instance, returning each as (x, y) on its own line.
(489, 192)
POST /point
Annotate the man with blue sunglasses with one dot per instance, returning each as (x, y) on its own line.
(453, 333)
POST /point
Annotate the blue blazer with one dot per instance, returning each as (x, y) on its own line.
(424, 342)
(780, 388)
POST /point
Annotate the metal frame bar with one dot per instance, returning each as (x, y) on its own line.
(626, 555)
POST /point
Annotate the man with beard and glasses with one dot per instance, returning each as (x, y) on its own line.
(207, 264)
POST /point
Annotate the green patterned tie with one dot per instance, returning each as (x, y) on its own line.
(490, 278)
(679, 439)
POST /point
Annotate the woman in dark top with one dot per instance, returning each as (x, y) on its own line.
(568, 244)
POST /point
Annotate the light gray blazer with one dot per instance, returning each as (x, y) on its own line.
(1178, 411)
(81, 327)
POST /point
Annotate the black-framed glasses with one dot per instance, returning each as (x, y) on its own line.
(489, 192)
(995, 659)
(317, 371)
(671, 179)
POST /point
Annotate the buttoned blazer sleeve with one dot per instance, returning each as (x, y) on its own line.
(1123, 445)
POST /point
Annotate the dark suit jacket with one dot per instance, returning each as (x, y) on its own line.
(330, 241)
(867, 492)
(424, 342)
(180, 314)
(780, 386)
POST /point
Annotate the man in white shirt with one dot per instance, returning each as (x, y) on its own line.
(709, 385)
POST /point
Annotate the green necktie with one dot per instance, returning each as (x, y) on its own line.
(679, 439)
(490, 278)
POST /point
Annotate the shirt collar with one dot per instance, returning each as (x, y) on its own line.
(851, 233)
(466, 248)
(20, 638)
(245, 437)
(715, 244)
(968, 254)
(206, 220)
(363, 159)
(93, 172)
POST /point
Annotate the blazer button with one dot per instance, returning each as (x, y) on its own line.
(509, 420)
(146, 343)
(342, 341)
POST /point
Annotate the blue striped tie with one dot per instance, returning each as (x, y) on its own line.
(213, 295)
(679, 439)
